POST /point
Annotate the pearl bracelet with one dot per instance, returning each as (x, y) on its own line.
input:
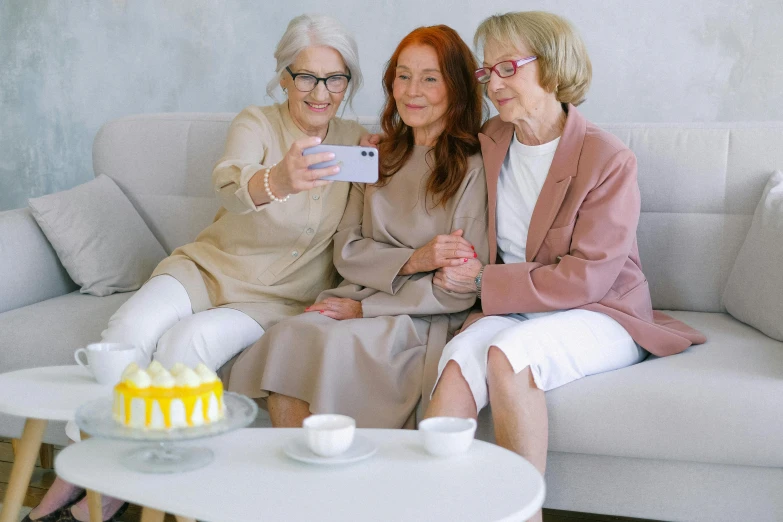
(269, 191)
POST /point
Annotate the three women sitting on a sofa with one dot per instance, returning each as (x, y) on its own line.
(557, 272)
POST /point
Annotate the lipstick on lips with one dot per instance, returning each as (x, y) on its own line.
(317, 107)
(413, 107)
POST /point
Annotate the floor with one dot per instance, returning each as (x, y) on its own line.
(40, 482)
(42, 479)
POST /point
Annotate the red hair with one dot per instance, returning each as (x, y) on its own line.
(459, 139)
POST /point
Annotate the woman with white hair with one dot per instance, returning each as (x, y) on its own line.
(268, 253)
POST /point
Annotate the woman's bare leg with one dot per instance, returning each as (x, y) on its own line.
(452, 397)
(287, 412)
(518, 411)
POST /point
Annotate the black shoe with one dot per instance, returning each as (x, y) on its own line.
(116, 516)
(57, 514)
(64, 514)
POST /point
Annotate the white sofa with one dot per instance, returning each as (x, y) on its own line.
(696, 436)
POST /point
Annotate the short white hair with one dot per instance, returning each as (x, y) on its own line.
(311, 30)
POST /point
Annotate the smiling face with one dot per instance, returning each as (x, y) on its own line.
(312, 111)
(420, 93)
(519, 97)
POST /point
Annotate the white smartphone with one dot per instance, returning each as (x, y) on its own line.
(359, 164)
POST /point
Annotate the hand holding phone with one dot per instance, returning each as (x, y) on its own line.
(293, 174)
(358, 164)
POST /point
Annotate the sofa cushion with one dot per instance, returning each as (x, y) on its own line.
(719, 402)
(754, 291)
(30, 268)
(47, 333)
(99, 237)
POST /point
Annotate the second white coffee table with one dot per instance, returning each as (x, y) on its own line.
(40, 395)
(252, 479)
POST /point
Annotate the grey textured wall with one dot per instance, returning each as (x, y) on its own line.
(67, 67)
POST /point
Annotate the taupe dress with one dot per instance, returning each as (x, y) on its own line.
(375, 369)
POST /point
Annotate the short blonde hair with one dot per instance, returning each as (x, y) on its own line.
(311, 30)
(563, 62)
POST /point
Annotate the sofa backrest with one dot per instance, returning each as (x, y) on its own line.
(700, 185)
(163, 163)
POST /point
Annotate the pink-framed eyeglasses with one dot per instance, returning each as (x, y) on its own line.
(502, 69)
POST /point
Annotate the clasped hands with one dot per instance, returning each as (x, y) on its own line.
(450, 256)
(454, 265)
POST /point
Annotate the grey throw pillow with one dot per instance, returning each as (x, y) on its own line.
(754, 291)
(99, 237)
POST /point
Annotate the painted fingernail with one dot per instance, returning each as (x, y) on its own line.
(475, 254)
(464, 259)
(471, 246)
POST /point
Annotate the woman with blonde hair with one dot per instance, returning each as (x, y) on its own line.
(564, 295)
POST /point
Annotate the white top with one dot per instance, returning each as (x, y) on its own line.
(51, 393)
(252, 479)
(521, 178)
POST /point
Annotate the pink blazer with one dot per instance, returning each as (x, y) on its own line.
(581, 247)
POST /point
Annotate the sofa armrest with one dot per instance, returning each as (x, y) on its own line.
(29, 268)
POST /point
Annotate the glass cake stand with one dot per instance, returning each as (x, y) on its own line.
(95, 419)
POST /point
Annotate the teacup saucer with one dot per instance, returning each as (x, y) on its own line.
(362, 448)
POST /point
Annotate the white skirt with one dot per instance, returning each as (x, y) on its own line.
(559, 347)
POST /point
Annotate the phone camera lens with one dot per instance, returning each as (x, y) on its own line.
(364, 153)
(372, 154)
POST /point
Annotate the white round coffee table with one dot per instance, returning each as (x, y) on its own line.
(40, 395)
(251, 478)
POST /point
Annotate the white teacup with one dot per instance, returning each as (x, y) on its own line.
(107, 361)
(447, 436)
(329, 435)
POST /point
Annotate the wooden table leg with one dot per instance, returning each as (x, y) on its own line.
(24, 462)
(184, 519)
(94, 503)
(151, 515)
(47, 456)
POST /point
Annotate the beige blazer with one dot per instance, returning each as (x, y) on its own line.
(581, 247)
(272, 260)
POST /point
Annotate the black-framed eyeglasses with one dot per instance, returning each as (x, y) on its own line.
(502, 69)
(305, 82)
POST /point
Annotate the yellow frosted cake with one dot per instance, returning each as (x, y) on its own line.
(157, 399)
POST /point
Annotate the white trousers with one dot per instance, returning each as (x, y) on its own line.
(159, 320)
(559, 347)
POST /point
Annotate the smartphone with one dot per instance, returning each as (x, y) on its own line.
(356, 163)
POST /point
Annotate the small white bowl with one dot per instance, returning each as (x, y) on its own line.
(447, 436)
(329, 435)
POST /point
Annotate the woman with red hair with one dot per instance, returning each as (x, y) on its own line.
(370, 347)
